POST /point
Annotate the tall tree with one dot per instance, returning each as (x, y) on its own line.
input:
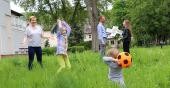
(77, 21)
(150, 20)
(119, 12)
(93, 16)
(47, 11)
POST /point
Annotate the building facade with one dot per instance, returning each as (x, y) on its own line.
(18, 26)
(87, 33)
(12, 29)
(6, 39)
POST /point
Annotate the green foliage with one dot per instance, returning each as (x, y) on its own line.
(87, 45)
(119, 12)
(77, 22)
(47, 43)
(46, 11)
(75, 49)
(49, 51)
(76, 36)
(150, 19)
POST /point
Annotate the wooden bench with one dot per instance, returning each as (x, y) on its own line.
(23, 50)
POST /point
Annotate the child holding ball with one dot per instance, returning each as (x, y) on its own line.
(115, 72)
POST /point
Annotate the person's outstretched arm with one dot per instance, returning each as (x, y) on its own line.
(105, 58)
(111, 62)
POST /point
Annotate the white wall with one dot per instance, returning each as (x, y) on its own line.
(11, 30)
(87, 37)
(4, 10)
(18, 29)
(5, 38)
(18, 38)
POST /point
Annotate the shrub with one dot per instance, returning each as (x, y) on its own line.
(87, 45)
(49, 51)
(74, 49)
(47, 43)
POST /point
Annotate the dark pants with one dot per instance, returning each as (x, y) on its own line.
(31, 53)
(126, 46)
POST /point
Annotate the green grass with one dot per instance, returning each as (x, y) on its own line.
(151, 69)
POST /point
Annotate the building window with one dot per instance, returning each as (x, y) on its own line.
(84, 36)
(112, 42)
(89, 36)
(119, 42)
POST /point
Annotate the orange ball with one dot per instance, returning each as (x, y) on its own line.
(125, 59)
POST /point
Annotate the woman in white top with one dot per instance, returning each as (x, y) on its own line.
(33, 35)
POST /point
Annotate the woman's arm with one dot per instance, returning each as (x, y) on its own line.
(43, 34)
(125, 33)
(24, 40)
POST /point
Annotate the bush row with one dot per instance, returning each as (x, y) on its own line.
(52, 50)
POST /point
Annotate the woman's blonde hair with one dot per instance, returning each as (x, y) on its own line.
(113, 52)
(129, 27)
(31, 17)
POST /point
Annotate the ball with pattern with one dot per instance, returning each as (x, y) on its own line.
(125, 59)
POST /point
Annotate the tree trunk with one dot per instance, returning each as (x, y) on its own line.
(51, 9)
(72, 20)
(64, 11)
(93, 15)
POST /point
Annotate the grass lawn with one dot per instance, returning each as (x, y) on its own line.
(151, 69)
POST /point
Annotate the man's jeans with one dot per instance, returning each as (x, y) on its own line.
(102, 47)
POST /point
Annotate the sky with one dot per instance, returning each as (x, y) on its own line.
(16, 7)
